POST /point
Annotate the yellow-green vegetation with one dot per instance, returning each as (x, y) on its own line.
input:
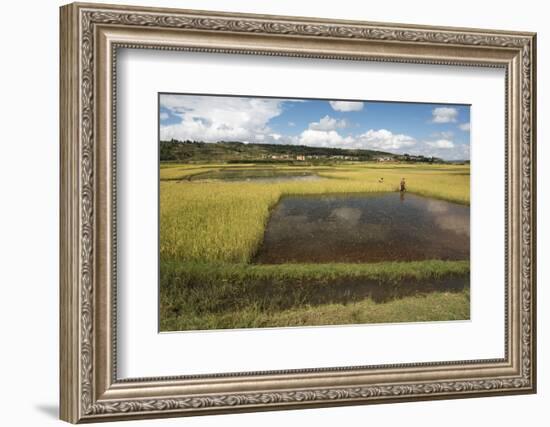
(437, 306)
(225, 221)
(210, 229)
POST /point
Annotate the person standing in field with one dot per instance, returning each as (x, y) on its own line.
(402, 185)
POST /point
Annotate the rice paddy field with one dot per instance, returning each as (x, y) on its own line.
(212, 222)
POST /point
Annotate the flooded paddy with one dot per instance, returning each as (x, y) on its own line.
(371, 227)
(264, 175)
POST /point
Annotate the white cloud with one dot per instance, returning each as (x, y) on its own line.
(433, 149)
(384, 140)
(441, 143)
(292, 124)
(328, 123)
(212, 119)
(443, 135)
(322, 138)
(164, 115)
(444, 115)
(346, 105)
(464, 126)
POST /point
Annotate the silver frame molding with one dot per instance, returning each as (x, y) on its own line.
(90, 37)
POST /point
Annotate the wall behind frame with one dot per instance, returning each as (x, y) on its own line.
(29, 171)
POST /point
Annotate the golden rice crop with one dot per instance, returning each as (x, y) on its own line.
(224, 221)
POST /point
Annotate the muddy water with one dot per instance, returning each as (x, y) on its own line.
(348, 290)
(365, 228)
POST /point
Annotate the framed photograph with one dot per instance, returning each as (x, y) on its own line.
(266, 212)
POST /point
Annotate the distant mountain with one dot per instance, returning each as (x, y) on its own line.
(234, 151)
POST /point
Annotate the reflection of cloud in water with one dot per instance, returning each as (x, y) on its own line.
(437, 206)
(358, 228)
(446, 220)
(349, 215)
(457, 223)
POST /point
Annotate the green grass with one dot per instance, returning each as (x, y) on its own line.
(438, 306)
(214, 288)
(383, 271)
(210, 230)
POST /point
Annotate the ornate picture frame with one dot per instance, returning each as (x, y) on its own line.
(90, 37)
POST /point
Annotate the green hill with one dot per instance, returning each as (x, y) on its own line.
(232, 151)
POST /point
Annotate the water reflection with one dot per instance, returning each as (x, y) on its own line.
(365, 228)
(256, 175)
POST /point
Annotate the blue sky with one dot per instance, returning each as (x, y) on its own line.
(441, 130)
